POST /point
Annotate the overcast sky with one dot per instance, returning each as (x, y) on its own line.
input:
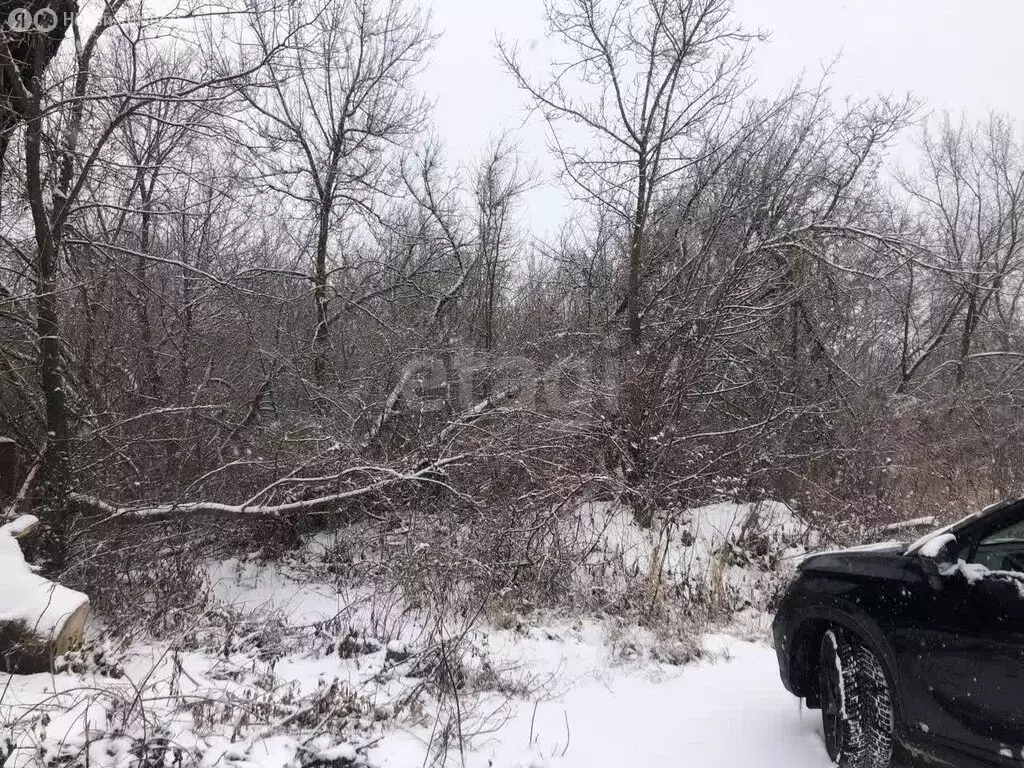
(953, 54)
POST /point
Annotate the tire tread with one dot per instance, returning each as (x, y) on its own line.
(867, 724)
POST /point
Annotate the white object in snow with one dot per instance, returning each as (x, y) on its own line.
(39, 619)
(20, 526)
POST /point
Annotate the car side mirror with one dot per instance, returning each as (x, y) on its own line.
(940, 550)
(934, 572)
(938, 558)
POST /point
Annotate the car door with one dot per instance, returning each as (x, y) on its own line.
(992, 576)
(960, 645)
(937, 664)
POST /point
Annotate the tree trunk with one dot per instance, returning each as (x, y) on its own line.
(636, 239)
(8, 469)
(54, 476)
(967, 338)
(320, 336)
(153, 380)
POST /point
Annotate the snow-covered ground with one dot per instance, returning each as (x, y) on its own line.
(591, 710)
(296, 672)
(727, 711)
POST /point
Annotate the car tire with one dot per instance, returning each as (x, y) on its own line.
(856, 709)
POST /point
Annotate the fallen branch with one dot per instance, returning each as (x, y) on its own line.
(387, 411)
(19, 499)
(323, 505)
(905, 525)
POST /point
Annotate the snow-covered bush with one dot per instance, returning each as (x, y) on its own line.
(701, 564)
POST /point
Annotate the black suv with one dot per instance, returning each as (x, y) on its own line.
(914, 647)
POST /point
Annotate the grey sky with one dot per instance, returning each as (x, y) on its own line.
(952, 54)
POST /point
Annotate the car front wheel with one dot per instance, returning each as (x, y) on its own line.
(856, 709)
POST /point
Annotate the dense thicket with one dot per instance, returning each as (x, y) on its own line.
(238, 284)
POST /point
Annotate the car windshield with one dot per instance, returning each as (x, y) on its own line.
(1013, 533)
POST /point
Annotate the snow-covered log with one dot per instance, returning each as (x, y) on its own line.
(39, 619)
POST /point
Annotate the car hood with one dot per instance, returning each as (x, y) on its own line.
(855, 558)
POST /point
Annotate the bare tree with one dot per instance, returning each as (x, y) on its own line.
(971, 197)
(333, 106)
(501, 183)
(84, 118)
(644, 84)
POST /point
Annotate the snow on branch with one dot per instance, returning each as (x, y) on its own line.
(322, 505)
